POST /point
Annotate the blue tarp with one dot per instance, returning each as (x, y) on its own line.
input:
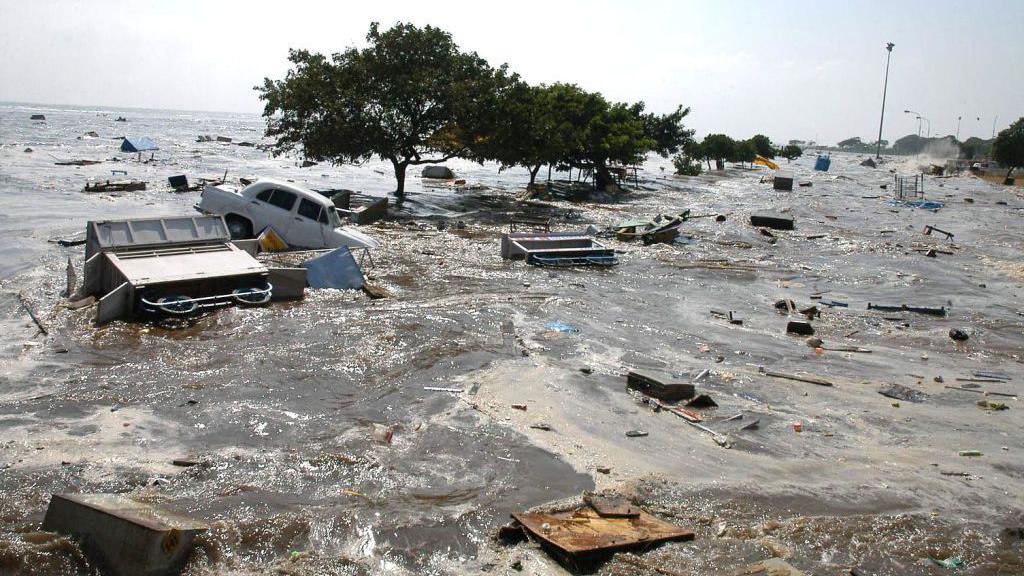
(922, 204)
(138, 145)
(336, 269)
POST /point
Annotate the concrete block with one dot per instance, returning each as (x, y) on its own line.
(121, 536)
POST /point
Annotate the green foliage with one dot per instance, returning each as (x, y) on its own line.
(763, 146)
(744, 151)
(533, 132)
(686, 165)
(411, 97)
(1008, 148)
(719, 147)
(791, 152)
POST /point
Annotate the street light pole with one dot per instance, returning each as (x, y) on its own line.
(885, 88)
(918, 114)
(994, 126)
(958, 128)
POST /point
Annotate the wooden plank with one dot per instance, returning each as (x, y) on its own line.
(583, 530)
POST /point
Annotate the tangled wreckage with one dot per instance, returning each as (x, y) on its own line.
(169, 267)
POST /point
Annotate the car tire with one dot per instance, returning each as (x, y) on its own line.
(239, 228)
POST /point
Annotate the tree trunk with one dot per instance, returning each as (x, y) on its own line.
(719, 164)
(533, 174)
(400, 177)
(602, 177)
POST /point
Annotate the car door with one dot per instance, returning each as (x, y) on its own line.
(308, 222)
(273, 207)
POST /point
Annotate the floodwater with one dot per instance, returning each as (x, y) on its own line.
(278, 403)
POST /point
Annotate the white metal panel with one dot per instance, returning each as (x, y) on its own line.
(115, 305)
(172, 266)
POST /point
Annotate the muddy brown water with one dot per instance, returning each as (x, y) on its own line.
(278, 402)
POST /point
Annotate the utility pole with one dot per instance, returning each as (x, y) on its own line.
(958, 128)
(885, 88)
(994, 127)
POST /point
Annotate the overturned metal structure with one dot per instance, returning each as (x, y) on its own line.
(556, 249)
(168, 267)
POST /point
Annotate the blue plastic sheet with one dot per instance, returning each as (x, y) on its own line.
(336, 269)
(559, 326)
(922, 204)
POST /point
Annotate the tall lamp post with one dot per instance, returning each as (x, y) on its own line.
(885, 88)
(958, 128)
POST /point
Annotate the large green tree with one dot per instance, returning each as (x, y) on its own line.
(763, 146)
(410, 97)
(1008, 148)
(791, 152)
(720, 148)
(531, 133)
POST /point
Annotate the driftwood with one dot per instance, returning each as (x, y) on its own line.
(32, 314)
(808, 379)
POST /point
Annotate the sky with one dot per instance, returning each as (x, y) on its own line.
(788, 69)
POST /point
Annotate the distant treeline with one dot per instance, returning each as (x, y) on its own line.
(911, 144)
(722, 148)
(412, 97)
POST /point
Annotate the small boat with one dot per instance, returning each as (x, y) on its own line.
(663, 229)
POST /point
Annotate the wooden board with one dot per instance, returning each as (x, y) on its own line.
(584, 530)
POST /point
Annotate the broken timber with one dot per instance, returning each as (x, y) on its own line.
(585, 531)
(808, 379)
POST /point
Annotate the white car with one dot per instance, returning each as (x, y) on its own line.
(301, 217)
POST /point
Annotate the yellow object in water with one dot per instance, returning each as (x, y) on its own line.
(766, 162)
(271, 241)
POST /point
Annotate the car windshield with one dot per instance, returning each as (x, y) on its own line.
(332, 215)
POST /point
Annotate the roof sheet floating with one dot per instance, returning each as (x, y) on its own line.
(336, 269)
(138, 145)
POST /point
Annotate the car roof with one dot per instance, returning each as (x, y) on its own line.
(264, 183)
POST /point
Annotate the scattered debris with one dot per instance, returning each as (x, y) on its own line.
(940, 311)
(770, 567)
(635, 433)
(556, 249)
(992, 406)
(808, 379)
(559, 326)
(800, 328)
(971, 453)
(959, 334)
(773, 220)
(336, 269)
(656, 387)
(116, 186)
(702, 401)
(586, 531)
(162, 281)
(381, 433)
(900, 392)
(928, 229)
(37, 117)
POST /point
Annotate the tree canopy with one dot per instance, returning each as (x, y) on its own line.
(763, 146)
(410, 97)
(1008, 148)
(791, 152)
(413, 97)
